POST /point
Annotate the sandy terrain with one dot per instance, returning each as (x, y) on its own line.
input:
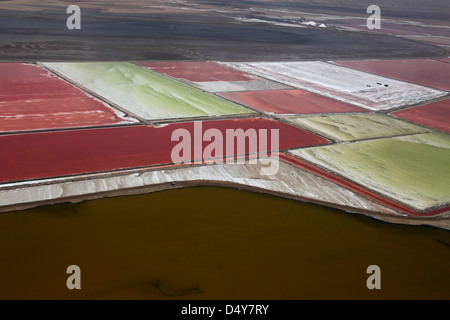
(177, 30)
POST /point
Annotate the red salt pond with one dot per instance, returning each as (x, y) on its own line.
(290, 102)
(31, 98)
(430, 73)
(197, 71)
(435, 115)
(63, 153)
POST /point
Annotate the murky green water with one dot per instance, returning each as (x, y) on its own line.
(216, 243)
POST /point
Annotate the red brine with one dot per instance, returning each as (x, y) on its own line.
(435, 115)
(72, 152)
(290, 102)
(425, 72)
(197, 71)
(31, 98)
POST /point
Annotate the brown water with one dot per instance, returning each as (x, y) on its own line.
(216, 243)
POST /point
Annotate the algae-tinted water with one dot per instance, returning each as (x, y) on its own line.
(216, 243)
(350, 127)
(411, 169)
(144, 92)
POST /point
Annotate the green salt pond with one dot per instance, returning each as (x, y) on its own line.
(413, 170)
(145, 93)
(349, 127)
